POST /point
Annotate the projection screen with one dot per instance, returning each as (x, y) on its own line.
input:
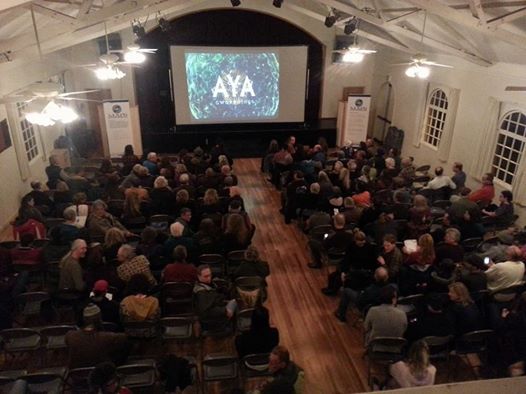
(239, 84)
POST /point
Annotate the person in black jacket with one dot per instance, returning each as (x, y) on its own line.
(434, 320)
(252, 265)
(261, 338)
(109, 309)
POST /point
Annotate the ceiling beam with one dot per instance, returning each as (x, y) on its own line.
(494, 4)
(477, 10)
(7, 4)
(84, 8)
(352, 11)
(50, 13)
(452, 15)
(509, 17)
(402, 17)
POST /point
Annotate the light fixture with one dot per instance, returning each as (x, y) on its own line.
(109, 72)
(330, 19)
(353, 57)
(52, 113)
(135, 57)
(277, 3)
(350, 26)
(138, 29)
(416, 70)
(235, 3)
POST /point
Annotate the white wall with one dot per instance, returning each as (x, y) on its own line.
(477, 84)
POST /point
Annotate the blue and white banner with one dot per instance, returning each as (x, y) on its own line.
(118, 125)
(356, 118)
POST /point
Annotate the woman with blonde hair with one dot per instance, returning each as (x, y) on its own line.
(344, 180)
(161, 197)
(416, 371)
(417, 278)
(464, 312)
(419, 217)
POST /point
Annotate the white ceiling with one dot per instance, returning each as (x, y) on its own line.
(480, 31)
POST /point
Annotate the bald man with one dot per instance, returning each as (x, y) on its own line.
(369, 297)
(71, 277)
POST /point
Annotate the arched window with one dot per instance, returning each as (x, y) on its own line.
(28, 132)
(435, 118)
(510, 145)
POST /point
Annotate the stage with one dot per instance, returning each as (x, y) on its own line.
(240, 140)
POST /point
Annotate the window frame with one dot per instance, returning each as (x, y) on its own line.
(435, 114)
(503, 134)
(28, 133)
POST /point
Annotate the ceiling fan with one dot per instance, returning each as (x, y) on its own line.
(135, 54)
(43, 91)
(354, 54)
(515, 89)
(418, 66)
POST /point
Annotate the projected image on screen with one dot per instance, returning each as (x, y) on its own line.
(232, 86)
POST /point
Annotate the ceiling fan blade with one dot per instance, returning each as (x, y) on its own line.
(366, 51)
(15, 99)
(515, 89)
(401, 64)
(148, 50)
(79, 92)
(77, 99)
(340, 50)
(435, 64)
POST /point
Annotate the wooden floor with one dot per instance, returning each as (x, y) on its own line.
(330, 352)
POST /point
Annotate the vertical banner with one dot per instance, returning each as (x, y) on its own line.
(118, 125)
(357, 118)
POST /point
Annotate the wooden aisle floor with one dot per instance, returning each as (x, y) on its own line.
(330, 352)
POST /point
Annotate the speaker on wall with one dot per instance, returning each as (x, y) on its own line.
(114, 42)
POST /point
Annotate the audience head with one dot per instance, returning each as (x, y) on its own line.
(208, 227)
(98, 208)
(204, 274)
(152, 156)
(315, 188)
(125, 253)
(348, 202)
(464, 192)
(182, 196)
(251, 253)
(128, 150)
(137, 169)
(100, 288)
(160, 182)
(514, 253)
(80, 198)
(79, 248)
(439, 171)
(339, 221)
(381, 275)
(228, 181)
(457, 166)
(114, 236)
(176, 229)
(235, 224)
(180, 254)
(148, 235)
(418, 359)
(360, 238)
(70, 215)
(53, 160)
(211, 197)
(186, 214)
(235, 206)
(458, 293)
(420, 202)
(91, 316)
(406, 162)
(323, 177)
(390, 163)
(138, 284)
(36, 185)
(279, 359)
(62, 186)
(487, 179)
(452, 236)
(506, 196)
(184, 179)
(389, 243)
(388, 295)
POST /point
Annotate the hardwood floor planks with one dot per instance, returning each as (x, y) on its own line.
(330, 352)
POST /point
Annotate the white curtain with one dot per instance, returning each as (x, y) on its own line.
(519, 182)
(453, 96)
(487, 140)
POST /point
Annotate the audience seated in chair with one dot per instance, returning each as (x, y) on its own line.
(138, 306)
(260, 338)
(109, 309)
(71, 276)
(415, 371)
(130, 264)
(286, 375)
(434, 321)
(506, 274)
(464, 313)
(252, 265)
(484, 196)
(100, 221)
(104, 380)
(180, 270)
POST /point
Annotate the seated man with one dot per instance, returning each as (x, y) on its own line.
(180, 270)
(391, 257)
(90, 346)
(503, 215)
(433, 322)
(507, 274)
(151, 163)
(385, 320)
(130, 265)
(285, 373)
(100, 297)
(460, 176)
(485, 194)
(185, 217)
(450, 249)
(71, 276)
(25, 254)
(211, 306)
(369, 296)
(338, 240)
(100, 221)
(440, 180)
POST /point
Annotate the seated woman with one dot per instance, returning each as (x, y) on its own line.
(133, 209)
(113, 240)
(161, 197)
(151, 247)
(237, 236)
(261, 338)
(416, 276)
(416, 371)
(463, 310)
(252, 265)
(208, 238)
(138, 305)
(419, 217)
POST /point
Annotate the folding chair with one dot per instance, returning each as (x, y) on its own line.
(141, 329)
(244, 320)
(255, 365)
(54, 337)
(20, 340)
(384, 351)
(471, 244)
(216, 263)
(411, 305)
(176, 298)
(177, 328)
(9, 244)
(30, 304)
(77, 380)
(439, 349)
(218, 368)
(44, 382)
(8, 378)
(138, 376)
(234, 260)
(474, 342)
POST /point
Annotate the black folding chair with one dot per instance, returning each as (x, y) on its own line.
(138, 376)
(216, 263)
(234, 260)
(384, 351)
(176, 298)
(219, 367)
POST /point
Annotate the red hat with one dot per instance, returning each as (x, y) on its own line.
(101, 286)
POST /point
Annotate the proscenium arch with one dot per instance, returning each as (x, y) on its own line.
(218, 27)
